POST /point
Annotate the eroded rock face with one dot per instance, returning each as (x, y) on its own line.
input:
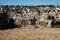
(40, 16)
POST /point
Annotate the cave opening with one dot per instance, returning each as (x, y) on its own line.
(4, 24)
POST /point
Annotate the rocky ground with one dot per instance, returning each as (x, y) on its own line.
(34, 22)
(30, 34)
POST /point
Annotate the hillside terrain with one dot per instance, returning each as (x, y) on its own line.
(37, 16)
(30, 22)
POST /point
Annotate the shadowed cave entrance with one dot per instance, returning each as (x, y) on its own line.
(9, 25)
(4, 24)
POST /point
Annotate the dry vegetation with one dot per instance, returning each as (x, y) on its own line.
(30, 34)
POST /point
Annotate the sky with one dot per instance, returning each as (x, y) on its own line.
(29, 2)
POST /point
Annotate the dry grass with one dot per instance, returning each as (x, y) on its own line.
(30, 34)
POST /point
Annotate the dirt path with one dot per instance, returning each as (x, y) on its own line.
(30, 34)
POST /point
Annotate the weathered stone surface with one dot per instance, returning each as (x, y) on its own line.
(32, 15)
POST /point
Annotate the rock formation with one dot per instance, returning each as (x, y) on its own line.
(37, 16)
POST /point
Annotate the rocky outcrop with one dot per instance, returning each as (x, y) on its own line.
(37, 16)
